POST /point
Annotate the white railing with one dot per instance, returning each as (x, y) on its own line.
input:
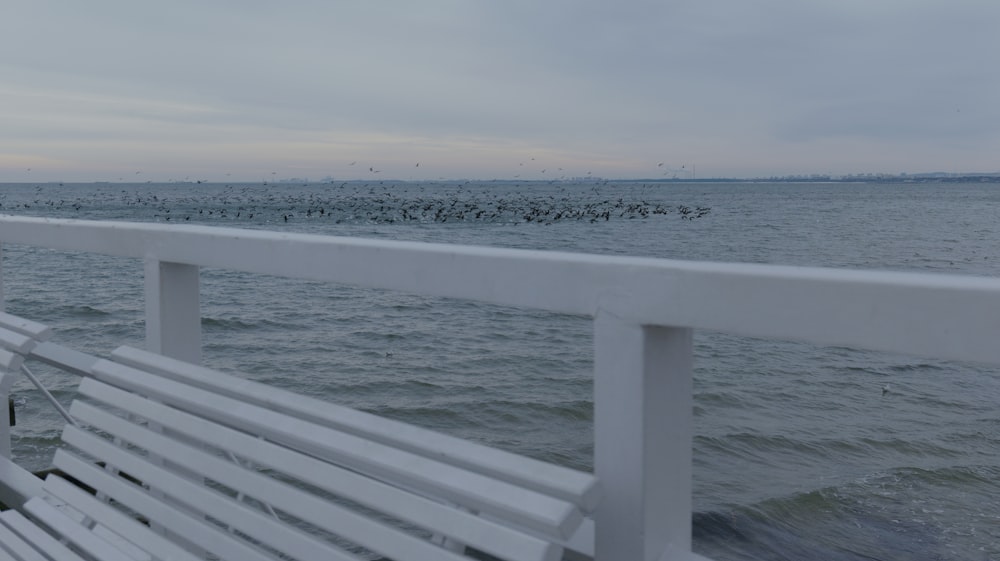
(644, 311)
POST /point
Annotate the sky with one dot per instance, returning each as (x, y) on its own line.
(251, 90)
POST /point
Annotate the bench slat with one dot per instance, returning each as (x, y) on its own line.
(16, 342)
(33, 329)
(439, 518)
(333, 518)
(64, 358)
(193, 528)
(515, 504)
(567, 484)
(10, 361)
(17, 484)
(73, 532)
(12, 552)
(116, 521)
(13, 546)
(39, 538)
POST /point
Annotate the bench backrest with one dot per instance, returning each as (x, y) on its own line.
(299, 487)
(286, 474)
(571, 485)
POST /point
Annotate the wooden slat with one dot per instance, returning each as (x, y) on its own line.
(9, 361)
(73, 532)
(13, 546)
(195, 495)
(473, 530)
(577, 487)
(506, 501)
(17, 484)
(195, 530)
(32, 329)
(114, 520)
(64, 358)
(6, 555)
(14, 341)
(582, 542)
(39, 538)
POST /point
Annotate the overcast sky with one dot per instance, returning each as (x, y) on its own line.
(226, 90)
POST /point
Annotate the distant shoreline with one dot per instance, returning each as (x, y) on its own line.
(853, 179)
(984, 178)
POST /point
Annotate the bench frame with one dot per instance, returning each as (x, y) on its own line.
(196, 424)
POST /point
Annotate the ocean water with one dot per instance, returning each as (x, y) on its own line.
(798, 453)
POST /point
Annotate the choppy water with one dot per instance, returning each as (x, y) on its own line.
(798, 454)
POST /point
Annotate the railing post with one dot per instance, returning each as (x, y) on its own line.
(643, 439)
(173, 326)
(2, 299)
(4, 386)
(6, 380)
(173, 316)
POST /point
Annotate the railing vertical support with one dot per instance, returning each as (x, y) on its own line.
(173, 316)
(2, 298)
(643, 439)
(6, 380)
(4, 386)
(173, 327)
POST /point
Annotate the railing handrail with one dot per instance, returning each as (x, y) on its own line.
(945, 316)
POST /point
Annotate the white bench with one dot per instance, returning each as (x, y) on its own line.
(242, 470)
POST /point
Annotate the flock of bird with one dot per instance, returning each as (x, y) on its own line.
(357, 203)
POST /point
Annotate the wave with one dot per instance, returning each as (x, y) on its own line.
(223, 325)
(874, 517)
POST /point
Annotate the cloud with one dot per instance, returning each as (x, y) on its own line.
(621, 84)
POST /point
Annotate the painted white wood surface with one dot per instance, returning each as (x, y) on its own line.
(170, 516)
(36, 331)
(642, 432)
(470, 529)
(461, 525)
(12, 545)
(303, 452)
(946, 316)
(38, 538)
(567, 484)
(115, 520)
(76, 534)
(173, 318)
(17, 484)
(435, 478)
